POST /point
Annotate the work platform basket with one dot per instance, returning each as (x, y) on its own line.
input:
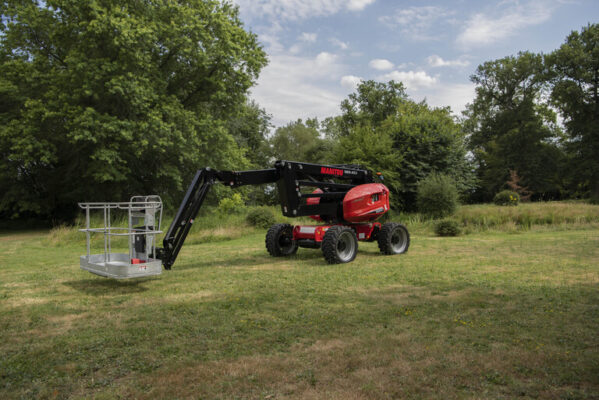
(144, 217)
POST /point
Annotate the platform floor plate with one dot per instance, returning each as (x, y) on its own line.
(119, 266)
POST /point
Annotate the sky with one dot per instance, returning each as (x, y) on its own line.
(319, 50)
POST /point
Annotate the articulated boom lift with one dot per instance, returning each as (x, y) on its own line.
(348, 210)
(343, 198)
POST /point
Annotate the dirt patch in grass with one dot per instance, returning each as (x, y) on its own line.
(178, 297)
(19, 301)
(57, 325)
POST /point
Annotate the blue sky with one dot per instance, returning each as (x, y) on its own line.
(319, 49)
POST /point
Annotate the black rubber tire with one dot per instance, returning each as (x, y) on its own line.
(393, 238)
(339, 245)
(279, 240)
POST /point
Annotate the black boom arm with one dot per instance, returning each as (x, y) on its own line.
(196, 193)
(289, 176)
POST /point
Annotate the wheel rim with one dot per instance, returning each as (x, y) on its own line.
(346, 246)
(285, 242)
(399, 240)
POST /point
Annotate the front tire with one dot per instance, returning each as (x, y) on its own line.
(393, 238)
(279, 240)
(339, 245)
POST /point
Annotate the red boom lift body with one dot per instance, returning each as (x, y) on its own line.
(346, 199)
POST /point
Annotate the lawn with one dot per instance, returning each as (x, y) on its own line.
(491, 314)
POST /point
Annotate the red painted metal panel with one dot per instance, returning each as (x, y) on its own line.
(366, 203)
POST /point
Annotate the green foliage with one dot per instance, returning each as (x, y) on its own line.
(231, 205)
(372, 149)
(511, 129)
(429, 141)
(250, 126)
(300, 141)
(371, 104)
(411, 141)
(574, 70)
(506, 198)
(261, 217)
(447, 227)
(104, 100)
(437, 196)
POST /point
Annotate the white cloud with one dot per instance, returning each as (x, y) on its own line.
(436, 61)
(416, 21)
(380, 64)
(482, 29)
(358, 5)
(299, 9)
(454, 95)
(308, 37)
(325, 59)
(350, 81)
(339, 43)
(411, 79)
(292, 87)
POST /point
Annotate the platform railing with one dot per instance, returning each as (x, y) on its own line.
(146, 210)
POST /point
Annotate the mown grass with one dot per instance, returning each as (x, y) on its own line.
(493, 314)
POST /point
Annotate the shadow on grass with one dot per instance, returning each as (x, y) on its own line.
(251, 261)
(103, 286)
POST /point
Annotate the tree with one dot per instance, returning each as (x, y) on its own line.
(574, 69)
(372, 149)
(384, 130)
(250, 127)
(100, 100)
(428, 140)
(300, 141)
(510, 128)
(371, 104)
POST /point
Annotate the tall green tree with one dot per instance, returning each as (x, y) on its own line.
(428, 140)
(383, 129)
(103, 99)
(574, 68)
(511, 129)
(371, 104)
(300, 141)
(250, 127)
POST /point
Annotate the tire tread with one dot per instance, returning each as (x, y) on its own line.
(329, 244)
(271, 240)
(384, 237)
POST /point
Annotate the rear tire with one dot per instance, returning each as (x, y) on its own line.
(279, 240)
(393, 238)
(339, 245)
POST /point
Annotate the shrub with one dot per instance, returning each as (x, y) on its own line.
(437, 196)
(447, 227)
(230, 205)
(506, 198)
(261, 217)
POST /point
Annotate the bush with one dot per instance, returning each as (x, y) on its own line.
(437, 196)
(506, 198)
(447, 227)
(231, 205)
(261, 217)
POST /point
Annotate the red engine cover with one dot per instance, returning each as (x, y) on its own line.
(366, 202)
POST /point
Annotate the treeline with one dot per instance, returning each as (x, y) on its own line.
(99, 101)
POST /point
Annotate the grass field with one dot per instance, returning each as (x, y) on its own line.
(509, 310)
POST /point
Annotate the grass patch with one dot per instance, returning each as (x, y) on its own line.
(491, 314)
(557, 215)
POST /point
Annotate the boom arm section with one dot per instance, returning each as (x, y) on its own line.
(194, 198)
